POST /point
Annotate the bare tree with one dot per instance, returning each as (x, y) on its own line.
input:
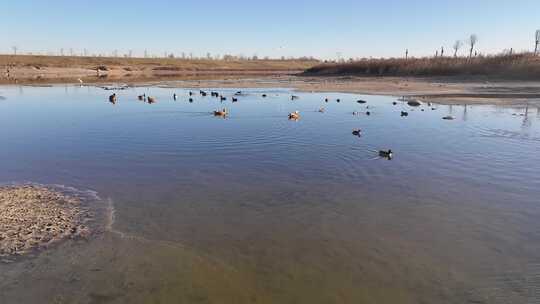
(406, 53)
(14, 48)
(442, 51)
(537, 42)
(457, 45)
(473, 39)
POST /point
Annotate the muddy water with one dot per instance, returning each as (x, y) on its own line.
(255, 208)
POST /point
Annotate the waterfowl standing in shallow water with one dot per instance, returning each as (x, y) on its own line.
(357, 132)
(174, 96)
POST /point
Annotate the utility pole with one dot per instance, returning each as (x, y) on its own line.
(15, 48)
(406, 54)
(537, 42)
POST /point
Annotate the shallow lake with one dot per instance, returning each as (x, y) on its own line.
(256, 208)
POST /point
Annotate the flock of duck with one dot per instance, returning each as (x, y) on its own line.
(388, 154)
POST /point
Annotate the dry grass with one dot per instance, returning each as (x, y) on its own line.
(518, 66)
(152, 63)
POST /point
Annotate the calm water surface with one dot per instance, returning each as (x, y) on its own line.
(259, 209)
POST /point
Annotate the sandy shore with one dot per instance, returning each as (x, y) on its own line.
(34, 217)
(442, 90)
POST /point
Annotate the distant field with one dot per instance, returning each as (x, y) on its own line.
(29, 69)
(519, 66)
(142, 63)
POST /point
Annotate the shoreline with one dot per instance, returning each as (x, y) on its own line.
(441, 90)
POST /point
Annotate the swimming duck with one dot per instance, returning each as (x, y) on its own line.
(234, 99)
(222, 98)
(326, 100)
(294, 115)
(293, 97)
(221, 113)
(449, 117)
(190, 100)
(403, 113)
(361, 101)
(414, 103)
(190, 93)
(141, 97)
(338, 100)
(394, 103)
(264, 95)
(356, 132)
(386, 154)
(150, 99)
(321, 110)
(112, 98)
(368, 113)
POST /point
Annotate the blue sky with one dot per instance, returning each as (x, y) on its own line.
(267, 28)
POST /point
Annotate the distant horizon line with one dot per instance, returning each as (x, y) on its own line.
(240, 57)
